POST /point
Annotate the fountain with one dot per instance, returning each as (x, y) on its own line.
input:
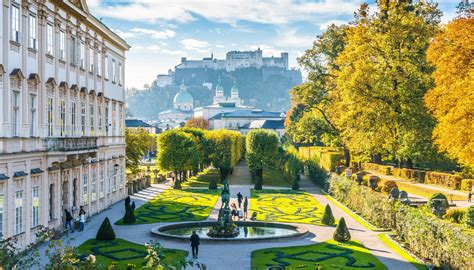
(224, 226)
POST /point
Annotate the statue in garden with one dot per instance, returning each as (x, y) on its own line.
(394, 194)
(404, 197)
(224, 226)
(129, 216)
(225, 195)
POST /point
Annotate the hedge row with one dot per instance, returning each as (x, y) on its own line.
(420, 176)
(432, 239)
(467, 184)
(327, 157)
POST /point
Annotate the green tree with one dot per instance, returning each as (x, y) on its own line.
(105, 232)
(342, 234)
(177, 152)
(261, 150)
(381, 79)
(328, 218)
(138, 141)
(226, 150)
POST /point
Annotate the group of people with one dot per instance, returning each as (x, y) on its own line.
(239, 212)
(69, 219)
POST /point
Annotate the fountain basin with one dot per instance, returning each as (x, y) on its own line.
(248, 231)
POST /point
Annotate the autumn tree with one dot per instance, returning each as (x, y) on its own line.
(381, 79)
(177, 152)
(138, 142)
(451, 101)
(261, 150)
(197, 122)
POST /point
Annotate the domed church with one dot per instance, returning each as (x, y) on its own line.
(183, 105)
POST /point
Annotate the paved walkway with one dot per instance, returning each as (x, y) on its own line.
(447, 191)
(237, 255)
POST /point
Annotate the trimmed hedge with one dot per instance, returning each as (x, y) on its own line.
(430, 238)
(410, 174)
(467, 184)
(385, 169)
(327, 157)
(443, 179)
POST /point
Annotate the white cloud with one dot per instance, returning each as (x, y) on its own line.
(195, 45)
(229, 11)
(165, 34)
(289, 38)
(267, 50)
(220, 46)
(155, 49)
(124, 35)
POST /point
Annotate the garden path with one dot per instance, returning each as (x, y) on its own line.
(447, 191)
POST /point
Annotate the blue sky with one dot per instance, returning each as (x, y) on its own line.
(161, 32)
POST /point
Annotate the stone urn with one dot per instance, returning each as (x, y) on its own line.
(360, 177)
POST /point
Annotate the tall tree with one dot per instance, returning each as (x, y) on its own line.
(261, 150)
(381, 79)
(451, 101)
(226, 150)
(138, 142)
(197, 122)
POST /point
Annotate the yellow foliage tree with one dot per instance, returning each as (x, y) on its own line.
(451, 101)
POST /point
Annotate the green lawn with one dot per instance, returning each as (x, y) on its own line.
(122, 253)
(328, 255)
(175, 205)
(203, 179)
(286, 206)
(275, 178)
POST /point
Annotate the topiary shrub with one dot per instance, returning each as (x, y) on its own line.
(438, 203)
(455, 215)
(328, 218)
(129, 216)
(105, 232)
(469, 217)
(342, 233)
(437, 196)
(388, 185)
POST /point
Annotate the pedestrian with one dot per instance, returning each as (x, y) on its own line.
(68, 220)
(194, 244)
(246, 207)
(469, 196)
(82, 219)
(239, 199)
(133, 206)
(240, 213)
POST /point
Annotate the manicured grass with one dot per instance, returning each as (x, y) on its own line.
(203, 179)
(286, 206)
(275, 178)
(407, 256)
(328, 255)
(348, 211)
(176, 205)
(122, 253)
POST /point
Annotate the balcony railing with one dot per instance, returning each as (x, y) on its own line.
(70, 144)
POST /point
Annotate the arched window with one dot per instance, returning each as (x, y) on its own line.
(33, 83)
(16, 78)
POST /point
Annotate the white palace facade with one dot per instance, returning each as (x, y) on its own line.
(62, 131)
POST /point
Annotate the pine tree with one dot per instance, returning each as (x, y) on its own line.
(105, 232)
(342, 233)
(328, 218)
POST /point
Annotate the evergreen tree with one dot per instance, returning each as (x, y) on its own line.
(105, 232)
(342, 233)
(129, 216)
(328, 218)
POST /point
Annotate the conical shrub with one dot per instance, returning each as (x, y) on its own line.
(342, 233)
(129, 216)
(328, 218)
(105, 232)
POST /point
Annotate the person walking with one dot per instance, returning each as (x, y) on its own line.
(68, 220)
(240, 213)
(246, 206)
(133, 205)
(82, 219)
(239, 199)
(469, 196)
(194, 244)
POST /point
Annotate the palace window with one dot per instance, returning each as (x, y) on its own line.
(101, 184)
(50, 115)
(120, 119)
(49, 39)
(99, 114)
(32, 31)
(122, 177)
(120, 74)
(113, 71)
(35, 207)
(73, 50)
(82, 49)
(62, 116)
(114, 119)
(51, 201)
(94, 186)
(73, 117)
(91, 114)
(32, 114)
(15, 24)
(18, 212)
(16, 113)
(91, 60)
(2, 203)
(85, 190)
(99, 64)
(83, 118)
(62, 45)
(106, 67)
(107, 119)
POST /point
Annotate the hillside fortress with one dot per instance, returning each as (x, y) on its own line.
(235, 60)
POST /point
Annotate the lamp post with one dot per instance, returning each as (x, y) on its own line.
(116, 167)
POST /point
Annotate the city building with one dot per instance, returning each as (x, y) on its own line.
(240, 120)
(275, 125)
(62, 128)
(135, 124)
(235, 60)
(183, 105)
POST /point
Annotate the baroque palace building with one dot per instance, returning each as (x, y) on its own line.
(62, 127)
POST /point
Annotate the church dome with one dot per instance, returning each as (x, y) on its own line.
(183, 97)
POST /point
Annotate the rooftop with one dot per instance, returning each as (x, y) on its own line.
(248, 114)
(135, 123)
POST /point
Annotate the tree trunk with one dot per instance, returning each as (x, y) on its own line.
(377, 158)
(347, 157)
(224, 172)
(409, 163)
